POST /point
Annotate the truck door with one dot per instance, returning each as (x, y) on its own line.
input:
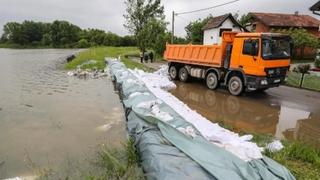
(249, 57)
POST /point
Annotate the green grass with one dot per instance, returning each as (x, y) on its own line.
(301, 159)
(119, 164)
(99, 54)
(310, 81)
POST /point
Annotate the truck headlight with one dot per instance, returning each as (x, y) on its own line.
(271, 71)
(264, 82)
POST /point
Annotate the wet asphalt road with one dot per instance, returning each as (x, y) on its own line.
(284, 112)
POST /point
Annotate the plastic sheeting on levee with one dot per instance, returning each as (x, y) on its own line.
(161, 135)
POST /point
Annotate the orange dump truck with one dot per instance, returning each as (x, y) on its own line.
(243, 61)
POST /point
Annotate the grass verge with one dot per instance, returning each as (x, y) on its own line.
(99, 54)
(301, 159)
(310, 81)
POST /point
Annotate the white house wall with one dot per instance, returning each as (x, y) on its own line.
(211, 36)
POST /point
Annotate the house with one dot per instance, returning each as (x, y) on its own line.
(316, 8)
(212, 31)
(265, 22)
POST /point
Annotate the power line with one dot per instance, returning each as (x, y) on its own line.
(198, 10)
(184, 19)
(208, 8)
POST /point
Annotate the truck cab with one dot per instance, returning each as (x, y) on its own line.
(262, 58)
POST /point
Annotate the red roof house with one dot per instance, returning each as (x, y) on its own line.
(264, 22)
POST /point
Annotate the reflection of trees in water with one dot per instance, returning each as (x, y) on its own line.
(240, 113)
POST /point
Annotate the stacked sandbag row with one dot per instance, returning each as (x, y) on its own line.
(160, 159)
(172, 148)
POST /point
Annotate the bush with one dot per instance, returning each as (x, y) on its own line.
(317, 60)
(303, 68)
(317, 63)
(83, 44)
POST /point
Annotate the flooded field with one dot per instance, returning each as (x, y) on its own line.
(283, 112)
(49, 121)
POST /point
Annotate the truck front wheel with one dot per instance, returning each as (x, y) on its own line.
(183, 74)
(235, 85)
(212, 80)
(173, 73)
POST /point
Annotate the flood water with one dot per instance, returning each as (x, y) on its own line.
(49, 121)
(283, 112)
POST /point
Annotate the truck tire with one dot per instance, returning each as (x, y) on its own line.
(212, 80)
(235, 86)
(173, 72)
(183, 74)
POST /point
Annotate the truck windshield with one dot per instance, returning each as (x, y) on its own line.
(275, 48)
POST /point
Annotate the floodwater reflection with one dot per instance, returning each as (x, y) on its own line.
(255, 113)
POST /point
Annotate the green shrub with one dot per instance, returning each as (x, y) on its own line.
(317, 63)
(83, 43)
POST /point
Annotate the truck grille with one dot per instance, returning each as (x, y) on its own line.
(276, 72)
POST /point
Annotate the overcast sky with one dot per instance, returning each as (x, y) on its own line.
(108, 14)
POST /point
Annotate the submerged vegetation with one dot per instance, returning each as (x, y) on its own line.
(119, 164)
(99, 54)
(109, 163)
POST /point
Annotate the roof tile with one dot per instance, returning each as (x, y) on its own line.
(286, 20)
(216, 21)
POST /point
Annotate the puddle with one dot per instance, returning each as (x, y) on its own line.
(48, 120)
(295, 117)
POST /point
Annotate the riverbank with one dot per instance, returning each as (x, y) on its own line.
(99, 53)
(18, 46)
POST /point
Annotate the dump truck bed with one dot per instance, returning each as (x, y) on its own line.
(204, 55)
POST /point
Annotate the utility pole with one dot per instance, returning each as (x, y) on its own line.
(172, 33)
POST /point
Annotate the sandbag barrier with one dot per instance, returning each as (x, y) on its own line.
(172, 148)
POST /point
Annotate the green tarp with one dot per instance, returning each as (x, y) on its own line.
(168, 152)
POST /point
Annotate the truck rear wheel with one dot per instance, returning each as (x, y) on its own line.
(173, 72)
(183, 74)
(212, 80)
(235, 85)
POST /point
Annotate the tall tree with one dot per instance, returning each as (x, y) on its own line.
(245, 19)
(194, 30)
(139, 14)
(64, 33)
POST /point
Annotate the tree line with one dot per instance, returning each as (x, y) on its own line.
(60, 34)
